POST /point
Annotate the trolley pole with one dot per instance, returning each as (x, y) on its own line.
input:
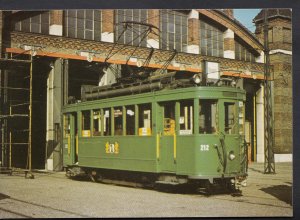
(269, 164)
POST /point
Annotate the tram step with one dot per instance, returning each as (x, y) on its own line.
(167, 182)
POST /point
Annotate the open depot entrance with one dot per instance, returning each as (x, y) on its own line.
(14, 105)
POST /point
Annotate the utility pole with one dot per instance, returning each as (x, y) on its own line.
(268, 116)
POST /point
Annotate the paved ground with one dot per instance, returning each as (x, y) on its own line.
(52, 195)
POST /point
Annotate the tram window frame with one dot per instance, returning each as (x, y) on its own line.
(86, 123)
(107, 131)
(211, 120)
(142, 129)
(169, 118)
(67, 125)
(118, 121)
(230, 123)
(130, 119)
(186, 117)
(97, 130)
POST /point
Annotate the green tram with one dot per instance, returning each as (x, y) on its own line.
(189, 135)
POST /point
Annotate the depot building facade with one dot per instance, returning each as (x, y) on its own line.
(65, 49)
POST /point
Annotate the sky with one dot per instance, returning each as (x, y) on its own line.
(245, 16)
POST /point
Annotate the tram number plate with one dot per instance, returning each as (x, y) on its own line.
(204, 147)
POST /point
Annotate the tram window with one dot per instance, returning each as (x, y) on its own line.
(130, 120)
(169, 118)
(86, 124)
(208, 116)
(186, 117)
(67, 126)
(230, 115)
(118, 120)
(96, 122)
(107, 122)
(145, 119)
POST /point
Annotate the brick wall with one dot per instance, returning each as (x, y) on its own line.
(282, 90)
(153, 18)
(229, 44)
(107, 21)
(193, 31)
(56, 17)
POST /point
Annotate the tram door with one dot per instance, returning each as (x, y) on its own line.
(70, 139)
(167, 132)
(233, 129)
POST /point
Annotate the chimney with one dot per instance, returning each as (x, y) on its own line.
(229, 12)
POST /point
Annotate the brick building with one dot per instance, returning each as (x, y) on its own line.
(280, 46)
(66, 49)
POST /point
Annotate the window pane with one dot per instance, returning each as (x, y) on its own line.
(86, 124)
(186, 117)
(89, 14)
(45, 17)
(211, 40)
(36, 19)
(118, 120)
(35, 28)
(107, 122)
(134, 32)
(71, 22)
(208, 116)
(230, 115)
(67, 126)
(130, 120)
(97, 15)
(169, 118)
(80, 14)
(96, 123)
(17, 26)
(145, 125)
(26, 25)
(89, 24)
(89, 35)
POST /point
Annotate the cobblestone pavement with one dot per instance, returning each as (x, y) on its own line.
(52, 195)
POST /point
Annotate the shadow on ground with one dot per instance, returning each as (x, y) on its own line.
(256, 170)
(281, 192)
(3, 196)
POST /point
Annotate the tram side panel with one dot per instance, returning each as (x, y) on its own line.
(132, 153)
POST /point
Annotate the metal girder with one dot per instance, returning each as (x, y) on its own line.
(268, 113)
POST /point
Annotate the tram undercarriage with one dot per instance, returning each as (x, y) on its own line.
(159, 181)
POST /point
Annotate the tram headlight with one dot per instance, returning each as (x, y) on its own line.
(231, 155)
(197, 78)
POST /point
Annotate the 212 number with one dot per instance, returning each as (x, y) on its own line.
(204, 147)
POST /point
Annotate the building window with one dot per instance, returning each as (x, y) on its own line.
(174, 30)
(38, 23)
(287, 35)
(131, 33)
(211, 40)
(242, 53)
(84, 24)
